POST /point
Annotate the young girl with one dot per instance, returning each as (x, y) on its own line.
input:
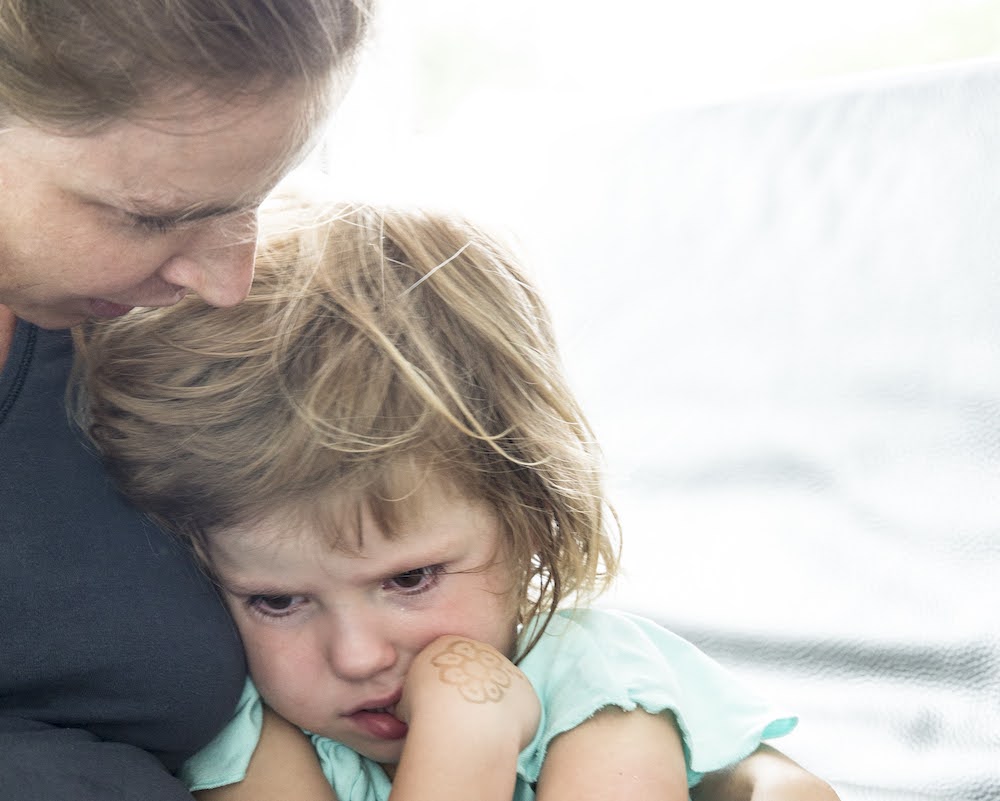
(377, 458)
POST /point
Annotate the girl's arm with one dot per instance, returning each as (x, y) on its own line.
(470, 711)
(765, 775)
(616, 754)
(635, 755)
(284, 767)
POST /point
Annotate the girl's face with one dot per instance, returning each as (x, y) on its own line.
(330, 633)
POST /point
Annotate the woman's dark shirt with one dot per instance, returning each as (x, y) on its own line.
(112, 643)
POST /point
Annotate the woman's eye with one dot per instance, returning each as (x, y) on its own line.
(418, 580)
(275, 605)
(153, 225)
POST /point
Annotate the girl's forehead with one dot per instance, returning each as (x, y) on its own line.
(399, 502)
(397, 491)
(431, 525)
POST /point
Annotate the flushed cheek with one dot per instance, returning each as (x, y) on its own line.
(271, 657)
(284, 671)
(495, 627)
(293, 688)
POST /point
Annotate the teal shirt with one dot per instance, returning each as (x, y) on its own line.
(586, 660)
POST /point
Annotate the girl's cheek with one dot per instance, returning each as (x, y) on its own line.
(265, 648)
(270, 669)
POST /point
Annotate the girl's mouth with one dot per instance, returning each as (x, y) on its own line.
(380, 723)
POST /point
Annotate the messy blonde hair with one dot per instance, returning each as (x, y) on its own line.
(75, 64)
(371, 338)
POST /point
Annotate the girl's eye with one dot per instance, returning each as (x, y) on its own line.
(418, 580)
(275, 605)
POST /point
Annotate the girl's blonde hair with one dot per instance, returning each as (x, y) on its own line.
(76, 64)
(371, 339)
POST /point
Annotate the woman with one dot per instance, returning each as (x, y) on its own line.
(136, 141)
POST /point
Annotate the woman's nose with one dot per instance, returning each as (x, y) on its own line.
(216, 263)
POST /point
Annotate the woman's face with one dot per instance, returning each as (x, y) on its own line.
(330, 633)
(140, 212)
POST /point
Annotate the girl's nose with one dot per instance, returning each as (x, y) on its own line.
(359, 648)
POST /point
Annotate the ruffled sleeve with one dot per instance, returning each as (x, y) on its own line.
(590, 658)
(225, 760)
(352, 776)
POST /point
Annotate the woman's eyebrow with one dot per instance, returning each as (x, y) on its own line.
(200, 211)
(169, 211)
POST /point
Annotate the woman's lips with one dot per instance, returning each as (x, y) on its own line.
(105, 309)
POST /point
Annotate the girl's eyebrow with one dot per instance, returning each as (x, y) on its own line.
(438, 554)
(246, 589)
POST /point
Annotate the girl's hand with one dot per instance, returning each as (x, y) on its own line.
(470, 712)
(472, 689)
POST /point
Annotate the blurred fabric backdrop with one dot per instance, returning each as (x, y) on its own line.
(769, 236)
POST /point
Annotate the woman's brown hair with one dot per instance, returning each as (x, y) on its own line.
(76, 64)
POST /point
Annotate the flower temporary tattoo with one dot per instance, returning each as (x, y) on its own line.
(477, 671)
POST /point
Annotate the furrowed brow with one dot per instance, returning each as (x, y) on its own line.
(245, 589)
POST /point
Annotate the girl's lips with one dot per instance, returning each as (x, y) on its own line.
(379, 724)
(377, 719)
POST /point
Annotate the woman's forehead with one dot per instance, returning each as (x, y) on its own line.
(184, 159)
